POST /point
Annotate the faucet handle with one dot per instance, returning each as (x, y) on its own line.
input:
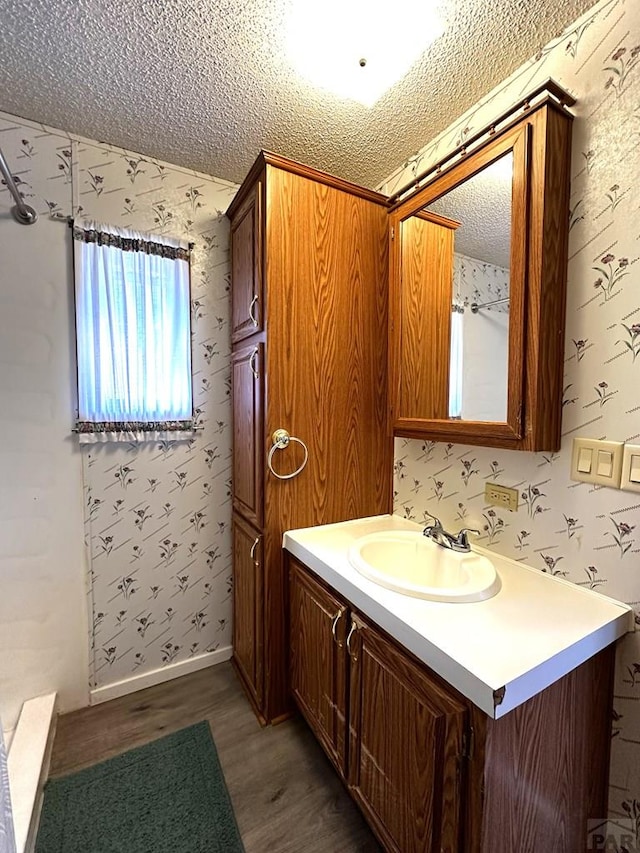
(436, 527)
(462, 538)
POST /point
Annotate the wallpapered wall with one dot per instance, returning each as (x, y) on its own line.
(156, 515)
(587, 534)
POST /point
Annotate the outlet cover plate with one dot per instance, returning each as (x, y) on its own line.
(501, 496)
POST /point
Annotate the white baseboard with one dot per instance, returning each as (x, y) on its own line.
(28, 764)
(158, 676)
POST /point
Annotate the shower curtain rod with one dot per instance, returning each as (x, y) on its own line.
(21, 212)
(475, 307)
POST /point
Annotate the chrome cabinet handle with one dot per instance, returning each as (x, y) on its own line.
(354, 627)
(334, 626)
(281, 439)
(252, 316)
(252, 363)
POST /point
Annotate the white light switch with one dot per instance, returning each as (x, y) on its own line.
(598, 462)
(584, 460)
(631, 468)
(605, 463)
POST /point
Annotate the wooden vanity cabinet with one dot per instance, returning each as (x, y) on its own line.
(407, 735)
(309, 260)
(318, 661)
(429, 770)
(406, 747)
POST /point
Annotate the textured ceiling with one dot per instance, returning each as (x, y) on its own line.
(482, 206)
(206, 83)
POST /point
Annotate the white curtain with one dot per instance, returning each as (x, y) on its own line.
(455, 363)
(133, 329)
(7, 838)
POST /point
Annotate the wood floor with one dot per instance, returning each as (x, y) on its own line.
(286, 796)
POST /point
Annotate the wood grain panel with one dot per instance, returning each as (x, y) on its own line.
(248, 622)
(426, 248)
(405, 758)
(547, 764)
(248, 459)
(546, 308)
(269, 158)
(317, 660)
(246, 267)
(326, 324)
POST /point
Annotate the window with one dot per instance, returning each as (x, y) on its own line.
(133, 334)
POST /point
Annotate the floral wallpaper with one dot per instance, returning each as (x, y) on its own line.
(478, 281)
(157, 515)
(7, 840)
(588, 534)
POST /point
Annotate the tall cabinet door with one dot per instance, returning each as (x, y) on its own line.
(317, 660)
(248, 592)
(246, 268)
(247, 372)
(406, 746)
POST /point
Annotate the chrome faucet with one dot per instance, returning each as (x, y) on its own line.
(454, 542)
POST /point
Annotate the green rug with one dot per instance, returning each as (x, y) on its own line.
(166, 797)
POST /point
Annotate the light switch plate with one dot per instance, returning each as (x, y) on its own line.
(582, 446)
(630, 451)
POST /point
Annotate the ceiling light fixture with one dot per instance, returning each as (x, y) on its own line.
(358, 49)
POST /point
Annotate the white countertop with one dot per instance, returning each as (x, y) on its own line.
(535, 630)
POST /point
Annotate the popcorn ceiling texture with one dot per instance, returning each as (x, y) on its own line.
(207, 85)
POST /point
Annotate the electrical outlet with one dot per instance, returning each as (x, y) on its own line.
(501, 496)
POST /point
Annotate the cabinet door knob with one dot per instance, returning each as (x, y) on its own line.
(334, 626)
(252, 316)
(353, 628)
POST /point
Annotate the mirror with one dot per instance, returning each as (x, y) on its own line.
(477, 285)
(479, 344)
(460, 269)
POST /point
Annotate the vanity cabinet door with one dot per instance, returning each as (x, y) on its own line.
(317, 660)
(247, 372)
(246, 268)
(248, 593)
(405, 747)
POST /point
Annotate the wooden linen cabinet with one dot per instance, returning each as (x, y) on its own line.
(309, 355)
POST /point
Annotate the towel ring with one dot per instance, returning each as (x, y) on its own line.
(281, 440)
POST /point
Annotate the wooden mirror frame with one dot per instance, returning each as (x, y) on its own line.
(540, 141)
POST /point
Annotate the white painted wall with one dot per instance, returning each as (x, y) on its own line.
(43, 612)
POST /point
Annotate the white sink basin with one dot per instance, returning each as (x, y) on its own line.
(408, 562)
